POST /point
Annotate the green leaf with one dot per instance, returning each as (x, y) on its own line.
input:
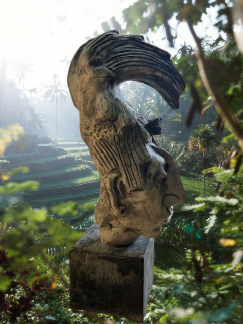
(223, 314)
(88, 206)
(197, 207)
(65, 208)
(211, 221)
(227, 138)
(21, 169)
(5, 282)
(218, 200)
(13, 187)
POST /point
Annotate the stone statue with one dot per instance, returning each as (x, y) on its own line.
(139, 181)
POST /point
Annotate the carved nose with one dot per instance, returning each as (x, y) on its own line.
(171, 200)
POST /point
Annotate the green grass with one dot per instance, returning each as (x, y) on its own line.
(25, 163)
(17, 155)
(65, 145)
(84, 153)
(78, 155)
(76, 142)
(195, 187)
(49, 158)
(90, 178)
(78, 138)
(72, 148)
(82, 197)
(59, 171)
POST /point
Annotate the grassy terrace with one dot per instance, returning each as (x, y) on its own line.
(90, 178)
(77, 143)
(59, 171)
(84, 153)
(75, 148)
(38, 160)
(194, 187)
(67, 143)
(87, 196)
(17, 155)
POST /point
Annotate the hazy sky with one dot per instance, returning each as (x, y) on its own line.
(46, 31)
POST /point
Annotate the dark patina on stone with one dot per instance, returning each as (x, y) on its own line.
(112, 280)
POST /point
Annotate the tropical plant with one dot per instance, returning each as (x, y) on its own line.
(22, 68)
(205, 292)
(203, 138)
(35, 119)
(55, 91)
(176, 150)
(26, 235)
(204, 68)
(15, 106)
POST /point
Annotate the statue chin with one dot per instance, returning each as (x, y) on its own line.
(140, 182)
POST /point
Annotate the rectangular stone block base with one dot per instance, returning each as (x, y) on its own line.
(111, 280)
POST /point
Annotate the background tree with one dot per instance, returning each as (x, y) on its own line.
(55, 91)
(149, 104)
(35, 119)
(15, 106)
(22, 68)
(203, 68)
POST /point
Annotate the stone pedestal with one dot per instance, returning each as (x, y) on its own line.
(111, 280)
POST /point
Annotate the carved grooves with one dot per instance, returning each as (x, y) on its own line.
(132, 154)
(127, 152)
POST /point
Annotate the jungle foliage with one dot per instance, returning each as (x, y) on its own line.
(212, 72)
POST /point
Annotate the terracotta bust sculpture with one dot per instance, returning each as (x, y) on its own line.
(139, 181)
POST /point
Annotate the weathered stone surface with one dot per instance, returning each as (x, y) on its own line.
(139, 181)
(112, 280)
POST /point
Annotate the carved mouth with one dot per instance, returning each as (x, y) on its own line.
(170, 200)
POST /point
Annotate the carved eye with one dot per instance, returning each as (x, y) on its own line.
(122, 188)
(122, 210)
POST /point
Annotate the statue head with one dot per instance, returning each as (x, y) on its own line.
(140, 182)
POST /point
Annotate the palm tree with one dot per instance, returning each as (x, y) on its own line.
(148, 103)
(35, 118)
(22, 67)
(55, 91)
(143, 110)
(159, 108)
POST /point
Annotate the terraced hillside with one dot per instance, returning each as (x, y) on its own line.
(71, 176)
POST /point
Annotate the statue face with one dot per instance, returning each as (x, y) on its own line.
(123, 216)
(140, 183)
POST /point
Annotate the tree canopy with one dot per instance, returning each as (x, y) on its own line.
(214, 67)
